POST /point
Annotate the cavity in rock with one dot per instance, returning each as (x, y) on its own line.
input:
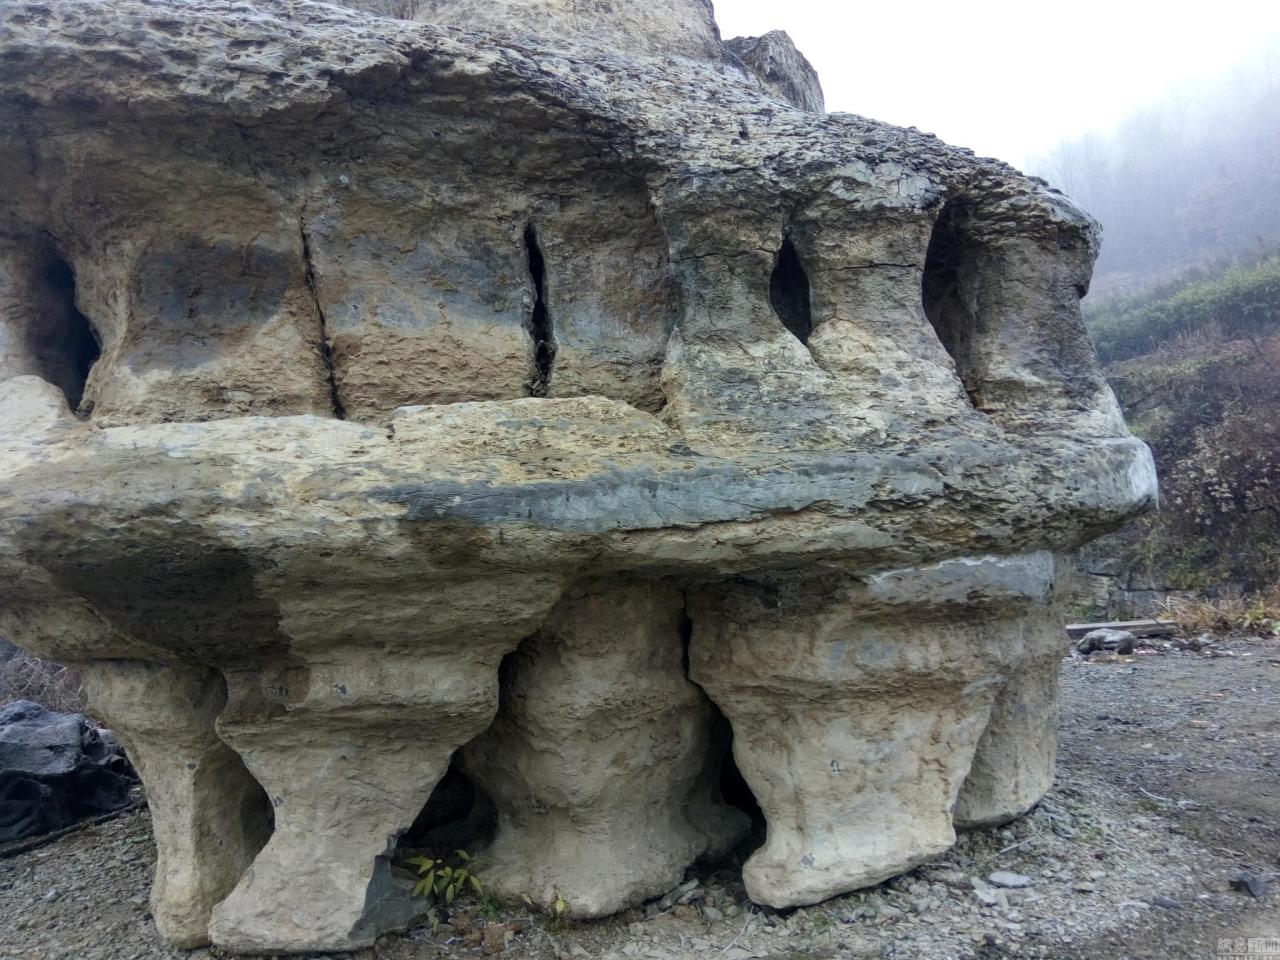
(77, 343)
(544, 347)
(789, 292)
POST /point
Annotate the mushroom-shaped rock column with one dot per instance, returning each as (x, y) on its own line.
(348, 750)
(601, 761)
(209, 815)
(858, 704)
(339, 343)
(1014, 764)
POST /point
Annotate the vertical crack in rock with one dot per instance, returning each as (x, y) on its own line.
(544, 347)
(76, 343)
(686, 635)
(326, 345)
(789, 292)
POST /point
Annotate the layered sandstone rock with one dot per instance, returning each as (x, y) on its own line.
(858, 706)
(603, 760)
(383, 383)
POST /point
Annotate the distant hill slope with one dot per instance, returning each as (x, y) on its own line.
(1196, 368)
(1241, 301)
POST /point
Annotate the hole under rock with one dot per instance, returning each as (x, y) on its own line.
(71, 345)
(789, 292)
(732, 789)
(544, 347)
(730, 784)
(257, 813)
(457, 816)
(733, 786)
(946, 299)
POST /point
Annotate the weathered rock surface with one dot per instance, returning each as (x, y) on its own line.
(858, 706)
(601, 759)
(210, 816)
(782, 68)
(346, 352)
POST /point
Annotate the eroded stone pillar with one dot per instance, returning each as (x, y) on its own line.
(348, 749)
(1014, 763)
(602, 762)
(857, 706)
(209, 815)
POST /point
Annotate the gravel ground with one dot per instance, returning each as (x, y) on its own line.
(1169, 787)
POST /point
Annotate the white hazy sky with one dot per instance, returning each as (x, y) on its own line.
(1009, 79)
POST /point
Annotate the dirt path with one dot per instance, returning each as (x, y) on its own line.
(1169, 786)
(1195, 740)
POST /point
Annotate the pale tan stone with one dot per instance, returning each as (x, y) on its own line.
(1014, 763)
(209, 816)
(602, 761)
(857, 707)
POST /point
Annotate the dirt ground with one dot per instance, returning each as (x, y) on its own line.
(1168, 789)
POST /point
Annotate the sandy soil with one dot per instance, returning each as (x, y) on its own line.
(1169, 787)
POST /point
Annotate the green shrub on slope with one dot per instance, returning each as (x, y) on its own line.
(1245, 300)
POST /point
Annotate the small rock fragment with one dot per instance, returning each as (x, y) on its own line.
(952, 878)
(985, 893)
(676, 894)
(1006, 878)
(1249, 883)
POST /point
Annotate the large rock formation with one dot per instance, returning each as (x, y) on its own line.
(345, 360)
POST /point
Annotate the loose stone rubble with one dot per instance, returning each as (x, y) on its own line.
(350, 363)
(56, 768)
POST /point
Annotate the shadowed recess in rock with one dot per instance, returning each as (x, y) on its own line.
(789, 292)
(943, 293)
(74, 346)
(544, 347)
(731, 787)
(174, 576)
(458, 815)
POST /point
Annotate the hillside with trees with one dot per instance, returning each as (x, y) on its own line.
(1194, 366)
(1185, 312)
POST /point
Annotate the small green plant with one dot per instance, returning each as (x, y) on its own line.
(1263, 615)
(443, 881)
(557, 909)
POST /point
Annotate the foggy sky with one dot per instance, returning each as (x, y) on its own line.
(1009, 79)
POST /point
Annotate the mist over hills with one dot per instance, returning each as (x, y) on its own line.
(1191, 180)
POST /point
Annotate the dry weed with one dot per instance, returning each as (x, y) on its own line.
(1257, 614)
(24, 677)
